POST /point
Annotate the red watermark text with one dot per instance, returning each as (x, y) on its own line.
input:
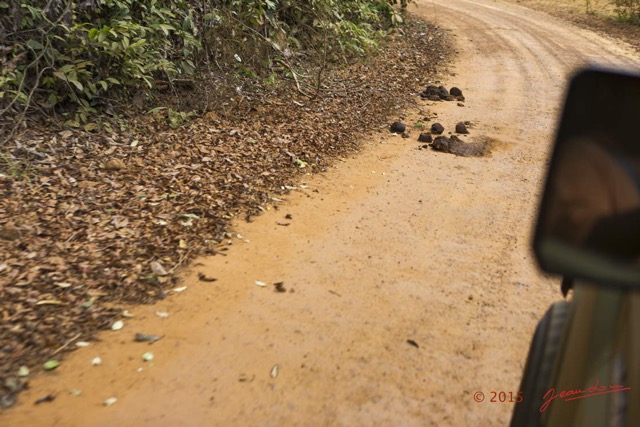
(579, 393)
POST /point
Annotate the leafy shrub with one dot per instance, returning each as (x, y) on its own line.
(75, 58)
(68, 56)
(628, 10)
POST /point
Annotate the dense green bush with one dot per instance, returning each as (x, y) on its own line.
(59, 56)
(628, 10)
(74, 58)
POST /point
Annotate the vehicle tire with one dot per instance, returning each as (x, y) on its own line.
(538, 369)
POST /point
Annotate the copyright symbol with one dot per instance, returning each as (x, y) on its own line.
(478, 396)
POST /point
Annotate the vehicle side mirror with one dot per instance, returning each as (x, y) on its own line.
(589, 218)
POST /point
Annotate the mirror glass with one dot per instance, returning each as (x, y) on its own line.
(589, 219)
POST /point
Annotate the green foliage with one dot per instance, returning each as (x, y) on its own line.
(588, 7)
(75, 58)
(71, 57)
(12, 167)
(172, 117)
(628, 10)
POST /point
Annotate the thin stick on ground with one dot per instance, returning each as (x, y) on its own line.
(65, 345)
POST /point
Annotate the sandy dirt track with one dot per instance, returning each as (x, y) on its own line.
(394, 244)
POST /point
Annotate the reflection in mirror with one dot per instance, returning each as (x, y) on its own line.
(589, 224)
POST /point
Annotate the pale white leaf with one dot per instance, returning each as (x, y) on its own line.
(110, 401)
(275, 370)
(158, 269)
(117, 325)
(63, 285)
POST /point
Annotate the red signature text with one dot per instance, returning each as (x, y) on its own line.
(579, 393)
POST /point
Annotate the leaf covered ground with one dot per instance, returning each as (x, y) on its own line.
(89, 222)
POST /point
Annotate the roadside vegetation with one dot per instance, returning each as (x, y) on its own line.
(622, 10)
(627, 10)
(73, 60)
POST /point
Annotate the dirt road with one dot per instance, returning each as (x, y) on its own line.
(396, 244)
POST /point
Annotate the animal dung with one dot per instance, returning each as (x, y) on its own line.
(455, 91)
(397, 127)
(437, 128)
(461, 128)
(425, 137)
(440, 93)
(441, 143)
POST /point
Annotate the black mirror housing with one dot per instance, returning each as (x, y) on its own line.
(588, 223)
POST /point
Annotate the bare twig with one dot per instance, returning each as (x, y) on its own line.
(280, 60)
(65, 345)
(324, 63)
(295, 78)
(182, 259)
